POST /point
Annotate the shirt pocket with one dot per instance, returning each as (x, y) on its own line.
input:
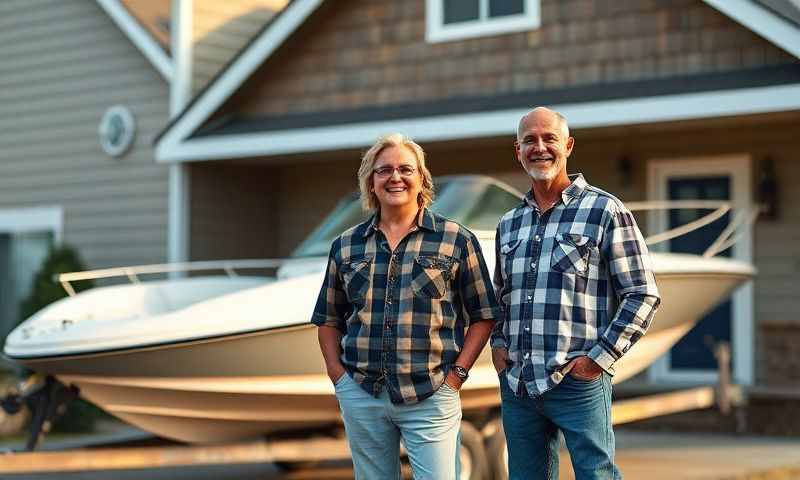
(573, 253)
(431, 274)
(356, 278)
(507, 255)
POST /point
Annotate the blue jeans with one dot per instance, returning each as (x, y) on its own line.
(580, 410)
(374, 426)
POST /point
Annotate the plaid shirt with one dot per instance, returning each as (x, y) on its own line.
(403, 313)
(575, 280)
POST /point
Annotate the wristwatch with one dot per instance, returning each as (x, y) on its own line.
(461, 372)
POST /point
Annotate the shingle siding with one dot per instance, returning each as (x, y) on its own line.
(62, 64)
(364, 53)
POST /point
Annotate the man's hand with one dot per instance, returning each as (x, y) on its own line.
(500, 359)
(584, 368)
(335, 372)
(453, 381)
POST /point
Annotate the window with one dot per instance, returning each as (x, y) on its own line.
(458, 19)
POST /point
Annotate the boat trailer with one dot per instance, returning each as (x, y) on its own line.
(484, 454)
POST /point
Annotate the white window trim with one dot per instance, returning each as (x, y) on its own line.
(436, 31)
(738, 167)
(35, 219)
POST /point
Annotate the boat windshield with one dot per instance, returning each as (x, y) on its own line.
(475, 202)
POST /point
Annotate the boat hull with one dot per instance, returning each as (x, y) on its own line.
(257, 383)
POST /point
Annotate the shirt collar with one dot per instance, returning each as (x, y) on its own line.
(574, 190)
(425, 219)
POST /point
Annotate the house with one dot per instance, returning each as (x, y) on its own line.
(666, 99)
(69, 69)
(86, 87)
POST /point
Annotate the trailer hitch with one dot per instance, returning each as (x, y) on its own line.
(47, 399)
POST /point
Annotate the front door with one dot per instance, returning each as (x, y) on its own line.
(692, 359)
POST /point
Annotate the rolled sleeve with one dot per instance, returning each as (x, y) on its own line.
(332, 306)
(479, 302)
(634, 285)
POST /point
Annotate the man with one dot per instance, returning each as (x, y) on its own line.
(400, 291)
(577, 290)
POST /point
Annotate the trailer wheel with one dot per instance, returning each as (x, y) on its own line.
(474, 465)
(497, 451)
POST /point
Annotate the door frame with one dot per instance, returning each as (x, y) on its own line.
(739, 168)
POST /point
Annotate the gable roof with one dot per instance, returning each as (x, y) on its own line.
(143, 38)
(154, 16)
(177, 142)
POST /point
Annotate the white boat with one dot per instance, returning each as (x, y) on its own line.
(222, 358)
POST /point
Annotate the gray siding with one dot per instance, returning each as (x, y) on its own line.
(62, 64)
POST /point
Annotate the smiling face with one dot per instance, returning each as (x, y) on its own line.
(396, 191)
(543, 145)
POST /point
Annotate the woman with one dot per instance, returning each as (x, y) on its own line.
(400, 291)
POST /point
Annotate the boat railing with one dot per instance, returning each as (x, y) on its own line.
(743, 219)
(736, 228)
(133, 273)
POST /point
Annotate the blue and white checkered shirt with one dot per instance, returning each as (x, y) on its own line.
(576, 280)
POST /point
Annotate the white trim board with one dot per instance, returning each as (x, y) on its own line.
(761, 21)
(484, 124)
(738, 168)
(33, 219)
(139, 36)
(178, 206)
(232, 78)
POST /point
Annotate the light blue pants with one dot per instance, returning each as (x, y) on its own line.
(580, 410)
(374, 426)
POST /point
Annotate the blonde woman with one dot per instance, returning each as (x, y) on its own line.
(404, 310)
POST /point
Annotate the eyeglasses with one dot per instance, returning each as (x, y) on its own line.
(403, 170)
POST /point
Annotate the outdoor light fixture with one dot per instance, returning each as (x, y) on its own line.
(767, 189)
(625, 169)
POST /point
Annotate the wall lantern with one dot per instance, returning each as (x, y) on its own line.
(767, 189)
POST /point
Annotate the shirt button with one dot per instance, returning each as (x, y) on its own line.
(537, 238)
(533, 265)
(530, 297)
(526, 356)
(527, 329)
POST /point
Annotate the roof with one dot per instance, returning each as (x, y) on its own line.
(181, 140)
(154, 16)
(788, 9)
(142, 22)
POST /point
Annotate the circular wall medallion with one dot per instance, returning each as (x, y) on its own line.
(117, 130)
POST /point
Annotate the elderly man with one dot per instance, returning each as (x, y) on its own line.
(577, 289)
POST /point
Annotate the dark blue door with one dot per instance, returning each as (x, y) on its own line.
(693, 351)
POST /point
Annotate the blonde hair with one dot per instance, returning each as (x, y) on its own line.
(368, 199)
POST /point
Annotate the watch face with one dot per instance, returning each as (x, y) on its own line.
(460, 372)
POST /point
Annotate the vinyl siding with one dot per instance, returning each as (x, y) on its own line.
(221, 29)
(63, 63)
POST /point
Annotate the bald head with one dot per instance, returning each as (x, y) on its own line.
(543, 145)
(543, 114)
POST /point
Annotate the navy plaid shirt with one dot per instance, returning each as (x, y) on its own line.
(403, 314)
(575, 280)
